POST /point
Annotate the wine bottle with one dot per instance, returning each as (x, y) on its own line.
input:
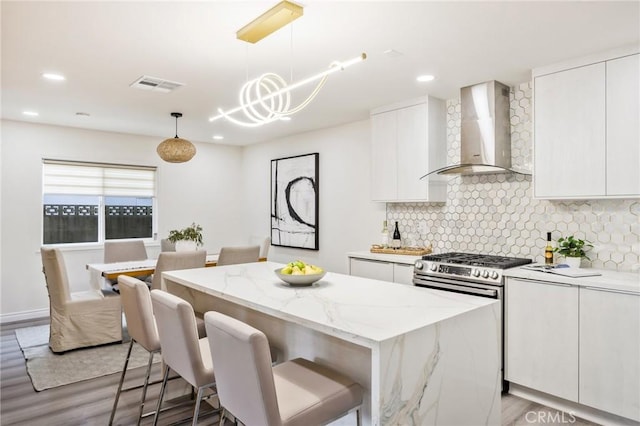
(548, 251)
(384, 236)
(396, 241)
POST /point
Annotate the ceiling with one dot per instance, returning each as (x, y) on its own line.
(102, 47)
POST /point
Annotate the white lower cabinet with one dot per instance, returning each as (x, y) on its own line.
(381, 270)
(373, 269)
(610, 351)
(579, 343)
(402, 273)
(542, 336)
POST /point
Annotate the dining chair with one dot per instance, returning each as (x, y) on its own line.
(182, 350)
(167, 245)
(77, 319)
(235, 255)
(175, 261)
(295, 392)
(124, 251)
(141, 325)
(263, 242)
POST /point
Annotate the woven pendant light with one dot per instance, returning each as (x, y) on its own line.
(176, 150)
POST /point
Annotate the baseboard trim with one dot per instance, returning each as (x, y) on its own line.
(570, 408)
(24, 315)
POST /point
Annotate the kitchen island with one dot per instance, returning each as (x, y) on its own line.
(424, 357)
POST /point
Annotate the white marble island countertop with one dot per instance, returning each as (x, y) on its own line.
(360, 310)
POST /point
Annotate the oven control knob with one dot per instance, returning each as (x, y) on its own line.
(433, 267)
(475, 272)
(419, 265)
(494, 275)
(485, 274)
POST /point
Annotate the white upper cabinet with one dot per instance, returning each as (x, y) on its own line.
(623, 126)
(408, 140)
(586, 120)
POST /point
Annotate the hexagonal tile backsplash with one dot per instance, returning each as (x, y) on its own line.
(497, 214)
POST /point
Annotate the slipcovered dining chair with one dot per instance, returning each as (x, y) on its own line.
(235, 255)
(296, 392)
(77, 319)
(182, 350)
(174, 261)
(141, 324)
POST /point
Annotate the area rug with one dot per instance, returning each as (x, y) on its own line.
(48, 370)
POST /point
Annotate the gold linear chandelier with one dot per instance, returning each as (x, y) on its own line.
(267, 98)
(272, 20)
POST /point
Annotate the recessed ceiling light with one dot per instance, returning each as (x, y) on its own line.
(426, 77)
(53, 76)
(218, 137)
(285, 118)
(30, 113)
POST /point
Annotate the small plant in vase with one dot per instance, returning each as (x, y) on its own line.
(573, 250)
(188, 238)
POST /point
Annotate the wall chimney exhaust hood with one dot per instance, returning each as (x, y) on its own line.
(485, 138)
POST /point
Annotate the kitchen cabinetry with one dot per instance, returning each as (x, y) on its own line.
(392, 268)
(542, 336)
(408, 139)
(586, 128)
(579, 341)
(609, 351)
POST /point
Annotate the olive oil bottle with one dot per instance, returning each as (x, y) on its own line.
(548, 251)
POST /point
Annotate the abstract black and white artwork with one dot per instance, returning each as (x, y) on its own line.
(294, 201)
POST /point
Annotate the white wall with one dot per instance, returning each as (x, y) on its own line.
(204, 190)
(348, 220)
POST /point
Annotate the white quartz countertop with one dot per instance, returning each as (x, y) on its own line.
(609, 280)
(384, 257)
(356, 309)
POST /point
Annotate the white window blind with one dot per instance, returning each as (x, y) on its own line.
(63, 177)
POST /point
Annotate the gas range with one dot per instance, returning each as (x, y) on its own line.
(479, 268)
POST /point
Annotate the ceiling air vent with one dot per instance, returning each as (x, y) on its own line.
(155, 84)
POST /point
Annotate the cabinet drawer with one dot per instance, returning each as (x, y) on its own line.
(373, 269)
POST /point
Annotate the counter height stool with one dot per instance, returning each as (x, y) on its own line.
(141, 324)
(182, 350)
(296, 392)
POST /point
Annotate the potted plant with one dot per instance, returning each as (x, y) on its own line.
(573, 250)
(188, 238)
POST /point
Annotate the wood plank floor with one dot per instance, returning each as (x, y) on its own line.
(89, 402)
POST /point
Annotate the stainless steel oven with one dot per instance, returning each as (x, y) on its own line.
(467, 273)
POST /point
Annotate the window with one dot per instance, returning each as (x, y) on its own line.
(91, 202)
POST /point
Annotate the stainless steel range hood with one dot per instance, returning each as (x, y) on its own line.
(485, 139)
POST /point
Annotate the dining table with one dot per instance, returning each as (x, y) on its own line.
(101, 273)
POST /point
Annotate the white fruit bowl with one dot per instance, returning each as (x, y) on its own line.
(299, 280)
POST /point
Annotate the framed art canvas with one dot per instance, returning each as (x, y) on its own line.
(294, 201)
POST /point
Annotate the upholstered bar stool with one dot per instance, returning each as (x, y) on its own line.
(141, 324)
(182, 350)
(296, 392)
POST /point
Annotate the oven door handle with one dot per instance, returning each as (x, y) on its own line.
(463, 289)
